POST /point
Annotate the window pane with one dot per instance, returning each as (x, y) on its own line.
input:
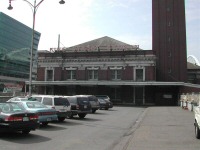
(139, 74)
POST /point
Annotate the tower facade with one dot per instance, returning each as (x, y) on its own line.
(169, 39)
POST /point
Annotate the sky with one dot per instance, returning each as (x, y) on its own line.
(79, 21)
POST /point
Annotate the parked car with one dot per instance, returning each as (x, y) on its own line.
(93, 102)
(80, 105)
(197, 120)
(103, 104)
(18, 98)
(59, 103)
(13, 117)
(107, 99)
(45, 114)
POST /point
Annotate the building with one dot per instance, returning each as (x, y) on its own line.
(128, 74)
(169, 39)
(15, 45)
(104, 66)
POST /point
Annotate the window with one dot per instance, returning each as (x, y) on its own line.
(116, 74)
(139, 74)
(49, 75)
(47, 101)
(71, 74)
(92, 74)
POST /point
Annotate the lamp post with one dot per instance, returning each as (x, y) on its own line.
(34, 8)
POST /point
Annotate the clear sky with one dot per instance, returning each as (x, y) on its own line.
(79, 21)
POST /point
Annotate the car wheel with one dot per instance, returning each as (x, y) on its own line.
(44, 123)
(26, 131)
(93, 111)
(106, 108)
(70, 116)
(81, 115)
(61, 119)
(197, 131)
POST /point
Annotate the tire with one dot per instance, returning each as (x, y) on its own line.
(26, 131)
(44, 123)
(70, 116)
(61, 119)
(93, 111)
(81, 116)
(197, 131)
(106, 108)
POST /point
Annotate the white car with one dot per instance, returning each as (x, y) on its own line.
(59, 103)
(197, 120)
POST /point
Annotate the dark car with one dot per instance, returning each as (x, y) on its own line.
(103, 104)
(80, 105)
(94, 103)
(13, 117)
(106, 99)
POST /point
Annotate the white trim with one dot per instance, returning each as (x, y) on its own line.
(109, 83)
(70, 68)
(92, 68)
(115, 68)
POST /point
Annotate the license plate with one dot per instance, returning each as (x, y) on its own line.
(48, 119)
(25, 119)
(85, 106)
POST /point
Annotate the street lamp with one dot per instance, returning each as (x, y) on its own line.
(34, 8)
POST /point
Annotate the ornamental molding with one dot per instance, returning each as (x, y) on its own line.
(59, 60)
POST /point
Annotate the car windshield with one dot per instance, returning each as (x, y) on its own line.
(10, 108)
(33, 99)
(35, 105)
(61, 101)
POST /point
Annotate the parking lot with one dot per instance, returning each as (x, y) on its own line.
(99, 131)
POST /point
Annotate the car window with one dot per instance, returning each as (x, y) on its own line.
(72, 100)
(82, 100)
(47, 101)
(61, 101)
(39, 99)
(35, 105)
(92, 98)
(11, 107)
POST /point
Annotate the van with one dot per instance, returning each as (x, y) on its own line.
(80, 105)
(59, 103)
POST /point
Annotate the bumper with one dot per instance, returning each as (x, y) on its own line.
(19, 126)
(49, 118)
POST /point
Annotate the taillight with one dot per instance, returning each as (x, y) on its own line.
(34, 117)
(12, 118)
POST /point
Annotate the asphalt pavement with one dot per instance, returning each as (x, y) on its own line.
(162, 128)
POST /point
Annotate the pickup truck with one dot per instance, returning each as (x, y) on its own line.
(197, 120)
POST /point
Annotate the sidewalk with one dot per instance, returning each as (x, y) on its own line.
(164, 128)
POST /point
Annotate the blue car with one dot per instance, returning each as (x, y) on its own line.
(45, 114)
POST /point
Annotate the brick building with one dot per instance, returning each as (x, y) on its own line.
(128, 74)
